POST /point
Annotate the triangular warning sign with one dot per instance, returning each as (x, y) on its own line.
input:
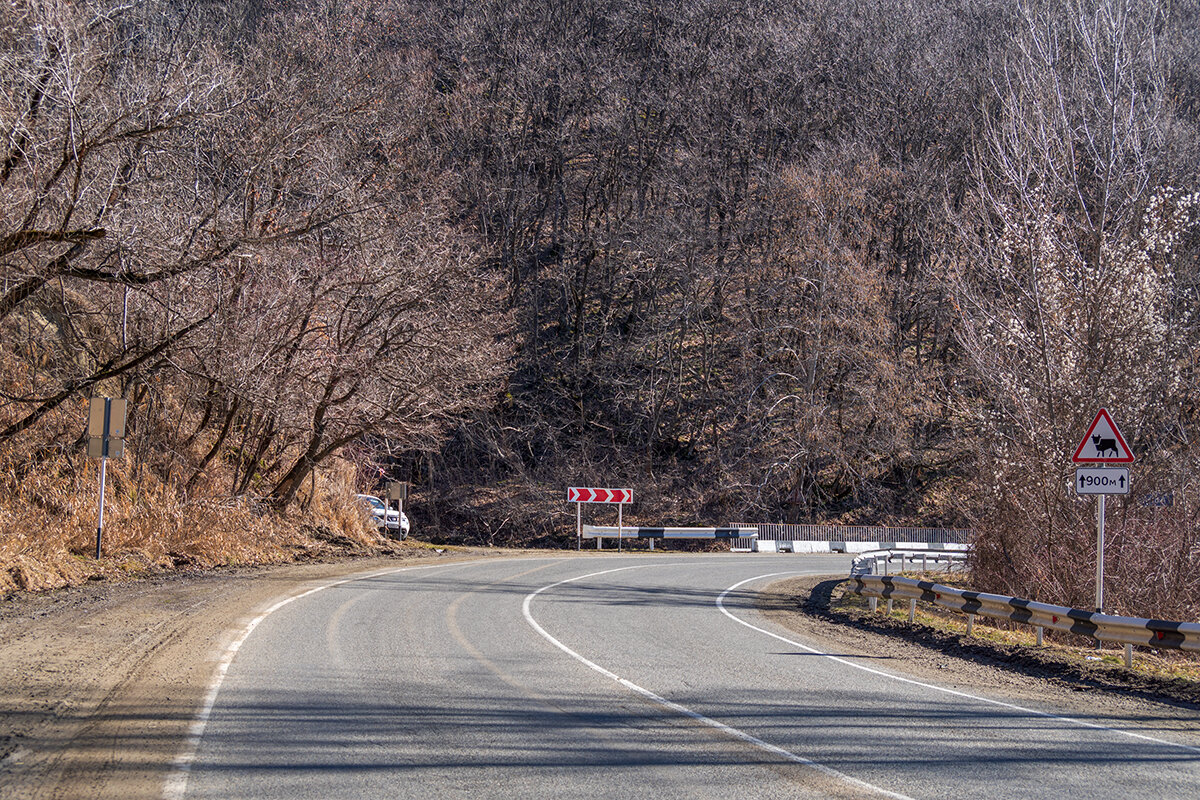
(1103, 443)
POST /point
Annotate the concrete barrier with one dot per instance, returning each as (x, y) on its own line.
(811, 547)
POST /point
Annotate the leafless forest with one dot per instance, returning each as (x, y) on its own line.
(822, 260)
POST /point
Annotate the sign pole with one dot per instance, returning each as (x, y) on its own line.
(100, 516)
(1100, 553)
(398, 491)
(620, 526)
(587, 494)
(106, 439)
(1102, 445)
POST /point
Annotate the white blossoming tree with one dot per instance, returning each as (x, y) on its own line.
(1074, 295)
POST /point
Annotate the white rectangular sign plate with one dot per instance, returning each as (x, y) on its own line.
(1102, 480)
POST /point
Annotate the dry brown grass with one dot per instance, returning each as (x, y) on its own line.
(48, 525)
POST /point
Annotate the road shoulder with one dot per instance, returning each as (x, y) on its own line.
(101, 682)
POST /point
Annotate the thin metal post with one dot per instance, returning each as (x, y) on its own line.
(1039, 635)
(578, 526)
(912, 610)
(620, 527)
(100, 516)
(970, 623)
(1128, 656)
(1100, 553)
(924, 562)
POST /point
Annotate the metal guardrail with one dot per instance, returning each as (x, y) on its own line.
(1101, 627)
(876, 562)
(602, 532)
(642, 532)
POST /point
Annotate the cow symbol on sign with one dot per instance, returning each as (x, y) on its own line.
(1104, 445)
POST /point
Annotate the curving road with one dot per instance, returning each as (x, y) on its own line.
(621, 677)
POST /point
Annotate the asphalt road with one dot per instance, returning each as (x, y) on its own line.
(623, 677)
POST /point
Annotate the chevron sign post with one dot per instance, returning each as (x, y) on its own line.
(580, 495)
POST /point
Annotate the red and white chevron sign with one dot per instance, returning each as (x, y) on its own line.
(579, 494)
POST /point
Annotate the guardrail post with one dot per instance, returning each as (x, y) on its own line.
(889, 606)
(970, 623)
(1039, 635)
(924, 562)
(1128, 656)
(912, 609)
(874, 604)
(599, 542)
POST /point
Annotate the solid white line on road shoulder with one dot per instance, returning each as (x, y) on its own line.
(687, 712)
(175, 786)
(845, 662)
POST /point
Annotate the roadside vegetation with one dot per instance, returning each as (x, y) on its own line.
(807, 261)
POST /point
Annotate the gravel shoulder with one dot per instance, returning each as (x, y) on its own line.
(1021, 675)
(102, 681)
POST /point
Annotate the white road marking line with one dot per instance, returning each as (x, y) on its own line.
(175, 786)
(1045, 714)
(687, 712)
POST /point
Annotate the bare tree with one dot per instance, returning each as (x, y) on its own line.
(125, 189)
(243, 228)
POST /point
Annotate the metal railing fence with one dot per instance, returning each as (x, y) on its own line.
(879, 562)
(782, 532)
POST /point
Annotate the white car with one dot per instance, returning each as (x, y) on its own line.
(388, 521)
